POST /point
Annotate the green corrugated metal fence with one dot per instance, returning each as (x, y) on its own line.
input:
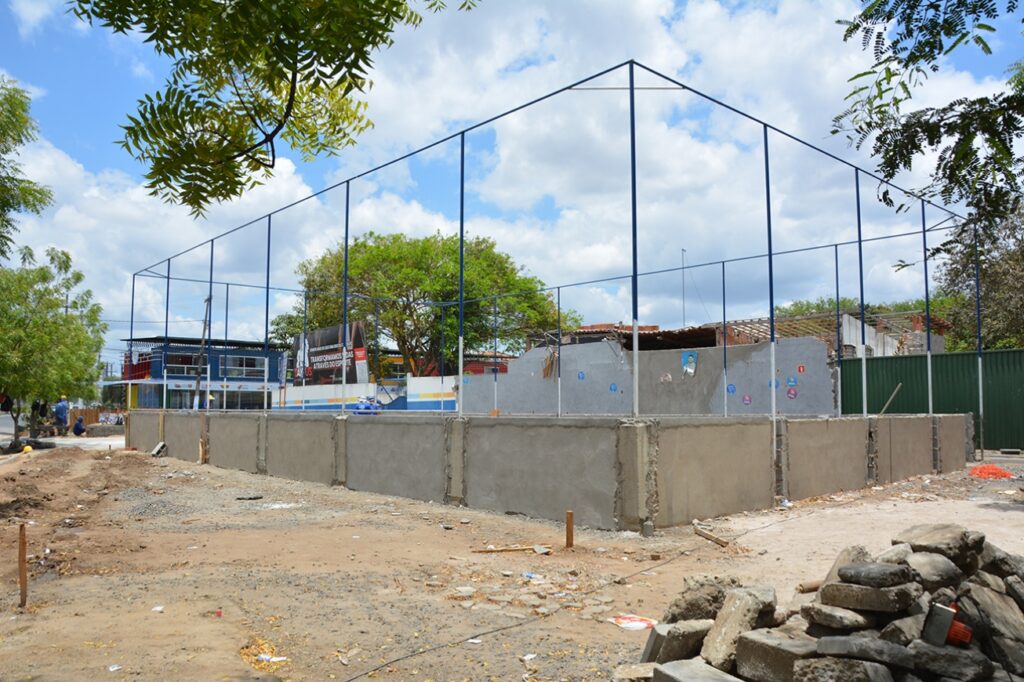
(954, 389)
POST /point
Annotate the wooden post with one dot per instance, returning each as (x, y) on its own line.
(22, 565)
(568, 529)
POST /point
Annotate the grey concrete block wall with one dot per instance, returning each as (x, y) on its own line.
(712, 467)
(301, 447)
(825, 456)
(143, 431)
(910, 446)
(403, 456)
(952, 433)
(543, 467)
(181, 433)
(234, 441)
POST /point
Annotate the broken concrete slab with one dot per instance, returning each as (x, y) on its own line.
(693, 670)
(740, 613)
(875, 575)
(836, 617)
(1000, 613)
(1015, 590)
(769, 655)
(896, 554)
(1010, 653)
(683, 640)
(839, 669)
(701, 597)
(655, 640)
(948, 661)
(904, 630)
(947, 539)
(867, 649)
(933, 570)
(634, 672)
(854, 554)
(997, 562)
(988, 580)
(861, 598)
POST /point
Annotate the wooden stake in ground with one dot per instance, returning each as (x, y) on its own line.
(22, 565)
(568, 528)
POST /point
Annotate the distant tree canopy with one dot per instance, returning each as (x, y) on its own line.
(980, 160)
(17, 193)
(403, 278)
(245, 77)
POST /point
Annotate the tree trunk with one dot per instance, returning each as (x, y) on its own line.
(15, 416)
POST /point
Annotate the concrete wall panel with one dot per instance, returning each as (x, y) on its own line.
(144, 431)
(234, 441)
(301, 447)
(953, 445)
(541, 468)
(181, 433)
(712, 467)
(402, 456)
(826, 455)
(910, 446)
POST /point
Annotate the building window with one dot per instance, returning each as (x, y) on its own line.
(242, 367)
(182, 364)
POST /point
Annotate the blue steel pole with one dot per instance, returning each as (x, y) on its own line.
(131, 339)
(167, 317)
(495, 363)
(304, 347)
(927, 309)
(462, 260)
(839, 338)
(442, 351)
(725, 350)
(376, 335)
(558, 357)
(632, 197)
(223, 355)
(208, 328)
(981, 357)
(863, 317)
(266, 319)
(344, 309)
(771, 280)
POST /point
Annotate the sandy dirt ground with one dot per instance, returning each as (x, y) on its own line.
(147, 568)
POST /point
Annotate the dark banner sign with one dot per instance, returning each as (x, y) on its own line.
(319, 356)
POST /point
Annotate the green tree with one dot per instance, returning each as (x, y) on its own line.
(976, 139)
(1002, 269)
(246, 76)
(50, 333)
(407, 276)
(17, 193)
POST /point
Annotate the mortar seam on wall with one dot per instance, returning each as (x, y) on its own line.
(465, 459)
(651, 502)
(871, 452)
(781, 458)
(447, 421)
(936, 446)
(618, 503)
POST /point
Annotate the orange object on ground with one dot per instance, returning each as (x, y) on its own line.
(990, 471)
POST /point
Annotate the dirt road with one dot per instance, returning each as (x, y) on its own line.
(161, 569)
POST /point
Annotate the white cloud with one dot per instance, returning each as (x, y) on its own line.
(30, 14)
(141, 71)
(34, 91)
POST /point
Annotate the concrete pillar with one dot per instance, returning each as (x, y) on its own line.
(455, 459)
(781, 457)
(636, 494)
(936, 446)
(261, 445)
(339, 435)
(871, 452)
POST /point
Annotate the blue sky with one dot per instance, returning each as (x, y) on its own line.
(550, 186)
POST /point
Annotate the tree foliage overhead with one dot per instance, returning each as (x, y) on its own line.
(408, 276)
(247, 75)
(50, 333)
(17, 193)
(976, 139)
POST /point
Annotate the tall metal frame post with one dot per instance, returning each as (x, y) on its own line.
(863, 317)
(927, 310)
(209, 332)
(223, 356)
(167, 319)
(495, 315)
(725, 351)
(462, 265)
(981, 357)
(442, 352)
(558, 357)
(131, 340)
(344, 311)
(632, 201)
(266, 320)
(304, 349)
(839, 338)
(772, 382)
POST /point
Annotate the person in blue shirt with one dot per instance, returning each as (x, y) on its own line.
(60, 413)
(79, 427)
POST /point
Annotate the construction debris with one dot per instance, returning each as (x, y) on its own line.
(941, 604)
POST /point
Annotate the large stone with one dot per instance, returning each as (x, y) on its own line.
(839, 670)
(904, 630)
(701, 598)
(769, 655)
(997, 562)
(683, 640)
(634, 672)
(740, 613)
(867, 649)
(947, 539)
(837, 617)
(855, 554)
(655, 640)
(875, 575)
(951, 661)
(693, 670)
(861, 598)
(933, 570)
(1001, 614)
(986, 579)
(1010, 653)
(1015, 590)
(896, 554)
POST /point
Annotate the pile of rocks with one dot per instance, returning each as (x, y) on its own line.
(905, 615)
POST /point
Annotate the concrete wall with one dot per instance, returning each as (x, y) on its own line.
(825, 456)
(711, 467)
(905, 445)
(143, 430)
(302, 447)
(397, 455)
(181, 433)
(234, 441)
(542, 467)
(952, 441)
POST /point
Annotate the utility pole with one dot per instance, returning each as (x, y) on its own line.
(683, 272)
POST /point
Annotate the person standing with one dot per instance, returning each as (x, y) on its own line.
(60, 413)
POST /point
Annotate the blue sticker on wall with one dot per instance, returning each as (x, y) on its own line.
(581, 376)
(773, 381)
(465, 380)
(731, 389)
(614, 388)
(791, 381)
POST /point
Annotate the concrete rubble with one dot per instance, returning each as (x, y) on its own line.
(941, 604)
